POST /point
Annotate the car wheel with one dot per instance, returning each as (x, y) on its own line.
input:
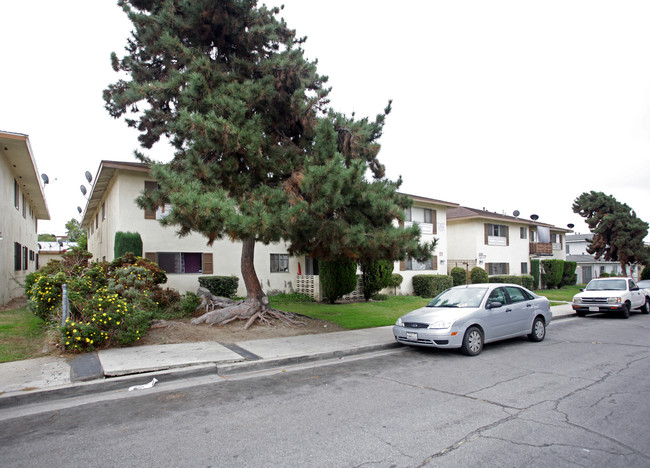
(580, 313)
(625, 311)
(472, 342)
(646, 307)
(539, 330)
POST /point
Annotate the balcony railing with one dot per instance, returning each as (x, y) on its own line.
(538, 248)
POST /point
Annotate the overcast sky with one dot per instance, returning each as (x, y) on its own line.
(507, 105)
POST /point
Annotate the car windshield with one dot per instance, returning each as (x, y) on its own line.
(461, 297)
(606, 285)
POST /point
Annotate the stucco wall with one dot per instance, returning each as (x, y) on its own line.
(14, 228)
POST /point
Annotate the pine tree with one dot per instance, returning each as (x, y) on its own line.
(258, 156)
(617, 232)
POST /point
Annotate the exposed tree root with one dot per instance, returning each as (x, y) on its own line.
(221, 310)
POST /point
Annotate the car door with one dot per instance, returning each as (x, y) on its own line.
(636, 295)
(523, 309)
(498, 322)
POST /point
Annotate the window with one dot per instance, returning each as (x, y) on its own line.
(149, 186)
(96, 220)
(498, 295)
(533, 236)
(408, 216)
(279, 263)
(497, 268)
(524, 268)
(24, 207)
(17, 256)
(16, 195)
(496, 234)
(413, 265)
(517, 294)
(25, 258)
(523, 233)
(180, 262)
(103, 211)
(428, 216)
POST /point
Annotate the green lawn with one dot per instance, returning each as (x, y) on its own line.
(358, 314)
(22, 335)
(564, 294)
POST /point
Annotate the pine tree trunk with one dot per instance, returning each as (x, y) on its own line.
(256, 305)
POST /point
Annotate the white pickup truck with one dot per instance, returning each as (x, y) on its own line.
(611, 295)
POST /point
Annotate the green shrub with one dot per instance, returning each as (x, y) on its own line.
(534, 271)
(569, 276)
(224, 286)
(645, 274)
(395, 280)
(375, 275)
(478, 275)
(337, 278)
(459, 276)
(527, 281)
(552, 273)
(158, 276)
(505, 279)
(431, 285)
(604, 274)
(127, 242)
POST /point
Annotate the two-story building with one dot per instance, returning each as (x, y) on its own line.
(22, 203)
(111, 208)
(498, 243)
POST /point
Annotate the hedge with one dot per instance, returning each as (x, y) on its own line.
(534, 270)
(459, 275)
(431, 285)
(223, 286)
(525, 280)
(478, 275)
(126, 242)
(552, 274)
(569, 276)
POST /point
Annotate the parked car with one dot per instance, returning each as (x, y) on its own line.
(468, 316)
(611, 295)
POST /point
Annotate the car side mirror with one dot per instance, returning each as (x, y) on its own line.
(494, 305)
(634, 289)
(582, 289)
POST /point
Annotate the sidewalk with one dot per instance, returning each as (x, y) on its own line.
(121, 368)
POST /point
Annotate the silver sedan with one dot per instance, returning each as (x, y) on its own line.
(468, 316)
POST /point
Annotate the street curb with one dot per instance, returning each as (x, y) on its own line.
(111, 384)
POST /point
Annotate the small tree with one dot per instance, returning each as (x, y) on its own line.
(645, 274)
(338, 278)
(569, 276)
(535, 272)
(459, 275)
(376, 275)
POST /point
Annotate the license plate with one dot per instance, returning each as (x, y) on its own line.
(411, 336)
(594, 309)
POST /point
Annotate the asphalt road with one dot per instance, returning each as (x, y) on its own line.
(580, 398)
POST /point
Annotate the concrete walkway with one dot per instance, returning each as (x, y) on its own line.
(55, 377)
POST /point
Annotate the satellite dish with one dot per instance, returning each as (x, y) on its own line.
(534, 217)
(83, 189)
(79, 209)
(46, 179)
(570, 225)
(89, 177)
(515, 213)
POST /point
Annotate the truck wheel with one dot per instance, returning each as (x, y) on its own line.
(580, 313)
(625, 311)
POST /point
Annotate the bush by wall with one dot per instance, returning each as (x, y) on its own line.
(396, 280)
(552, 271)
(459, 276)
(126, 242)
(376, 275)
(478, 275)
(524, 280)
(569, 276)
(431, 285)
(337, 278)
(534, 271)
(224, 286)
